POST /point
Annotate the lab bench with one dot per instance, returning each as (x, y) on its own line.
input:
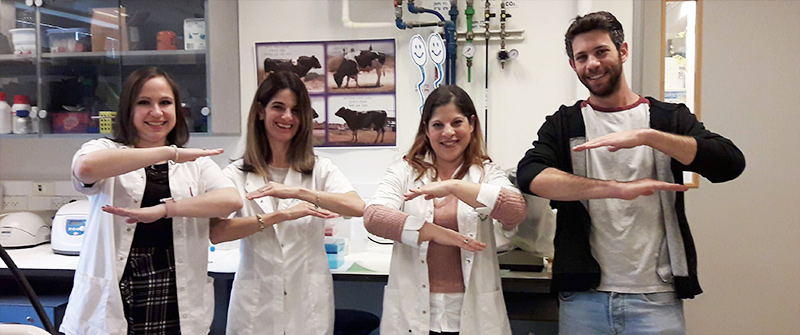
(358, 284)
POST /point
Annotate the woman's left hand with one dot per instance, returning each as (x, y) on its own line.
(134, 215)
(273, 189)
(437, 189)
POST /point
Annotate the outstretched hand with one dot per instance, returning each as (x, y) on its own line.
(191, 154)
(615, 141)
(446, 236)
(432, 190)
(273, 189)
(643, 187)
(304, 209)
(134, 215)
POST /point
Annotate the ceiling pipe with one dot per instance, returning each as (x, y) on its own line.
(350, 24)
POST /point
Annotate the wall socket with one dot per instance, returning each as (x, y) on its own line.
(43, 188)
(13, 203)
(50, 203)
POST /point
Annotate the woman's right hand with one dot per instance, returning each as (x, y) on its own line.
(191, 154)
(304, 209)
(447, 236)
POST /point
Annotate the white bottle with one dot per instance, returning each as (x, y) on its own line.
(22, 109)
(5, 115)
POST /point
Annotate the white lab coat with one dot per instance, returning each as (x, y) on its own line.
(283, 284)
(95, 304)
(406, 300)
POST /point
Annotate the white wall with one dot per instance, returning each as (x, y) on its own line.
(520, 96)
(748, 231)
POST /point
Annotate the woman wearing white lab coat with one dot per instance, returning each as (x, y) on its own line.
(112, 173)
(283, 284)
(439, 204)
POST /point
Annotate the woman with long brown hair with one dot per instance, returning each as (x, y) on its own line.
(143, 270)
(283, 284)
(439, 205)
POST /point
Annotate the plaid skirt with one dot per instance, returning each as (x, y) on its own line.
(149, 292)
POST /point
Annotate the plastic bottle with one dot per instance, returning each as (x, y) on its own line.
(22, 108)
(5, 115)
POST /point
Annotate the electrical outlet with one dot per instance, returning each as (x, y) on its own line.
(13, 203)
(43, 188)
(58, 202)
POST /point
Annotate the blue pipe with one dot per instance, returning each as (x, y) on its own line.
(417, 10)
(452, 47)
(400, 24)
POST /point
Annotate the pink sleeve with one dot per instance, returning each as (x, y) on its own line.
(384, 221)
(510, 208)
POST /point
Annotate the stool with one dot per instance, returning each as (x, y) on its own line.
(354, 322)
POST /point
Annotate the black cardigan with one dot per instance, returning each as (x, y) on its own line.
(574, 267)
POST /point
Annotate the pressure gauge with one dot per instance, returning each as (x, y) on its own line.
(468, 50)
(513, 53)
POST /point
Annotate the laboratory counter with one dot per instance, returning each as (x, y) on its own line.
(363, 275)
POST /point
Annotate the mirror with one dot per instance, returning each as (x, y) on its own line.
(680, 58)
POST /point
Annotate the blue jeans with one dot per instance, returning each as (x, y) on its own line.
(593, 312)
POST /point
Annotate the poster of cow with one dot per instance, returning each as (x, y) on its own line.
(360, 66)
(351, 85)
(361, 120)
(304, 59)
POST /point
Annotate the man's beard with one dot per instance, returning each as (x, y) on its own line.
(615, 73)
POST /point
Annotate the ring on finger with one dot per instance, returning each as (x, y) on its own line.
(466, 240)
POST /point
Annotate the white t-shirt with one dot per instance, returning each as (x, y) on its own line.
(626, 235)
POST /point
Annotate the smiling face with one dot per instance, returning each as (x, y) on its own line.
(598, 63)
(280, 118)
(418, 52)
(436, 48)
(154, 113)
(449, 132)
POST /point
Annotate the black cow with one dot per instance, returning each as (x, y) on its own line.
(363, 120)
(365, 61)
(304, 64)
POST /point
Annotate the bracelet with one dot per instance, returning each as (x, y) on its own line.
(316, 202)
(176, 153)
(260, 220)
(166, 202)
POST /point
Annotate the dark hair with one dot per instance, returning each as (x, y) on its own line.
(258, 153)
(474, 154)
(604, 21)
(124, 130)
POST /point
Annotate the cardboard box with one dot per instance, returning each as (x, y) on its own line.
(109, 29)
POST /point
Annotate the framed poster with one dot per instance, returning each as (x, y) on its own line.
(351, 84)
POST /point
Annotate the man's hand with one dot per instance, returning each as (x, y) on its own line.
(615, 141)
(273, 189)
(134, 215)
(643, 187)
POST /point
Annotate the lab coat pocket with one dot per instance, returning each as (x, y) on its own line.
(88, 301)
(319, 311)
(491, 313)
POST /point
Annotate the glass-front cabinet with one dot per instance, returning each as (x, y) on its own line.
(68, 59)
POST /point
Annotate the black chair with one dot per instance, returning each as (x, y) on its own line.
(355, 322)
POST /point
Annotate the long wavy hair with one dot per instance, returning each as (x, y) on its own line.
(123, 129)
(258, 153)
(474, 154)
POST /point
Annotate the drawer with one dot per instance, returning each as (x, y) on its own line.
(18, 309)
